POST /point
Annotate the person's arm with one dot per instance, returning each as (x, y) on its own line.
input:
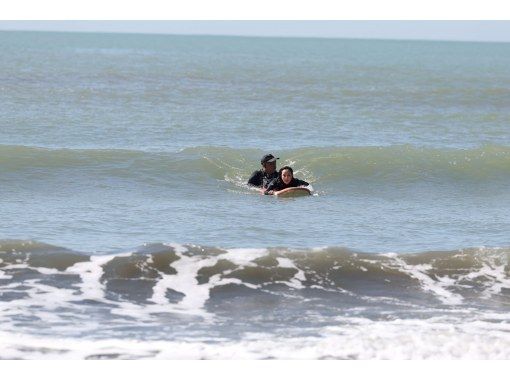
(269, 190)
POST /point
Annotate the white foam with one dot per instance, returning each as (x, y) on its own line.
(185, 281)
(351, 338)
(90, 273)
(41, 298)
(46, 271)
(4, 276)
(427, 283)
(320, 248)
(41, 301)
(296, 281)
(244, 256)
(494, 273)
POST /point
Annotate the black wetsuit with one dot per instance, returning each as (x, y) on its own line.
(278, 184)
(260, 178)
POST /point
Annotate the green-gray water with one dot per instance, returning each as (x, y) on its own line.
(123, 163)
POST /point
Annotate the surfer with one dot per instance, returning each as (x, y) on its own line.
(285, 180)
(262, 178)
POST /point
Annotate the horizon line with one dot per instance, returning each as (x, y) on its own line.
(400, 39)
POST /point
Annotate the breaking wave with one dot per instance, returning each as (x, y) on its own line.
(189, 276)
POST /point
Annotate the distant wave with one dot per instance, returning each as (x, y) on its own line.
(402, 163)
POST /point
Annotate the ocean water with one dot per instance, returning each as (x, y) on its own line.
(127, 229)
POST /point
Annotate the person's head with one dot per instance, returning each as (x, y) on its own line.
(286, 174)
(268, 162)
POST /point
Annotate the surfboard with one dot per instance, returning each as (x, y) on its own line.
(293, 192)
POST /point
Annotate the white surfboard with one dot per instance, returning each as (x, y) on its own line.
(293, 192)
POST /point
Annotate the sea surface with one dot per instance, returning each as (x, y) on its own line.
(127, 230)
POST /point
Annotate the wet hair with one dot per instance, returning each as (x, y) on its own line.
(280, 172)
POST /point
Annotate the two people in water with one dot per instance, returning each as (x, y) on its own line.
(271, 181)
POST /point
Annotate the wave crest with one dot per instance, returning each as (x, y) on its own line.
(163, 272)
(383, 163)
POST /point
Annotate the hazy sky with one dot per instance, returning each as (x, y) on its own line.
(429, 30)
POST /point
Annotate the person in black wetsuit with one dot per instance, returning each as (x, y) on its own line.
(262, 178)
(285, 180)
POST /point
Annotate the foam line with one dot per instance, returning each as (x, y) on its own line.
(352, 338)
(90, 273)
(296, 281)
(428, 284)
(184, 281)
